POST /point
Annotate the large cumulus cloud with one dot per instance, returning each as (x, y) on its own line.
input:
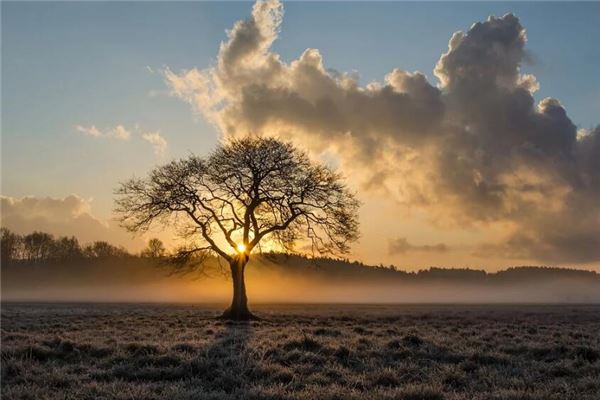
(474, 148)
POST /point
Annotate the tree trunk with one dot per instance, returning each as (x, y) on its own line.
(238, 311)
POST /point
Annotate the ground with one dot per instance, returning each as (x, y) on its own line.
(87, 351)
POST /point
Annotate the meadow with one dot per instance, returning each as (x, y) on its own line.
(410, 352)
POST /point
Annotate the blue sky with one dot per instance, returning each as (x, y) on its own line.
(87, 63)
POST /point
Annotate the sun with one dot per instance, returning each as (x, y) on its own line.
(241, 247)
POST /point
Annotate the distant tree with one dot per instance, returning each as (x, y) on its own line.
(10, 246)
(37, 246)
(155, 249)
(102, 249)
(66, 249)
(247, 192)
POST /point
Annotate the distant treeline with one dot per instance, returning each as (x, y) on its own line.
(41, 247)
(333, 268)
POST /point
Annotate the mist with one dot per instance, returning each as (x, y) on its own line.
(294, 280)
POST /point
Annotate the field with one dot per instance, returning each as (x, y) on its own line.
(109, 351)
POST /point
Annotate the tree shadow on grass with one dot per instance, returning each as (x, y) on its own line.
(228, 365)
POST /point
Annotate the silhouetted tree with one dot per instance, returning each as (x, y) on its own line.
(247, 192)
(11, 246)
(102, 249)
(37, 246)
(155, 249)
(66, 249)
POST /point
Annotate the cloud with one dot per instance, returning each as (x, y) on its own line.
(157, 141)
(68, 216)
(118, 132)
(89, 131)
(473, 149)
(402, 246)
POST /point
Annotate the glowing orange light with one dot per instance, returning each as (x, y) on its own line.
(241, 247)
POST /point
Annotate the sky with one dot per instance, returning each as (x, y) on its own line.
(96, 92)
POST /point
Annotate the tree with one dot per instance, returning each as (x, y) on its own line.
(101, 249)
(66, 249)
(38, 246)
(155, 249)
(247, 193)
(10, 246)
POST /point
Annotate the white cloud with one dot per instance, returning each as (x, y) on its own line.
(157, 141)
(89, 131)
(118, 132)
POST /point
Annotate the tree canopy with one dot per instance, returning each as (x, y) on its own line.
(244, 192)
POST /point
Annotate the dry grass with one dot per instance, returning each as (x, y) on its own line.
(301, 352)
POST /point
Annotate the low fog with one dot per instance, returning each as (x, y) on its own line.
(283, 279)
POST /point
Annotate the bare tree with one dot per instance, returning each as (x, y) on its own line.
(38, 246)
(66, 249)
(246, 193)
(102, 249)
(11, 246)
(155, 249)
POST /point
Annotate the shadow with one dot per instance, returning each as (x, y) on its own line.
(228, 364)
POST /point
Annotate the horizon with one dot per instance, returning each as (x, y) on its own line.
(85, 252)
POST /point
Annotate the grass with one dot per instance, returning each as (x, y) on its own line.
(70, 351)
